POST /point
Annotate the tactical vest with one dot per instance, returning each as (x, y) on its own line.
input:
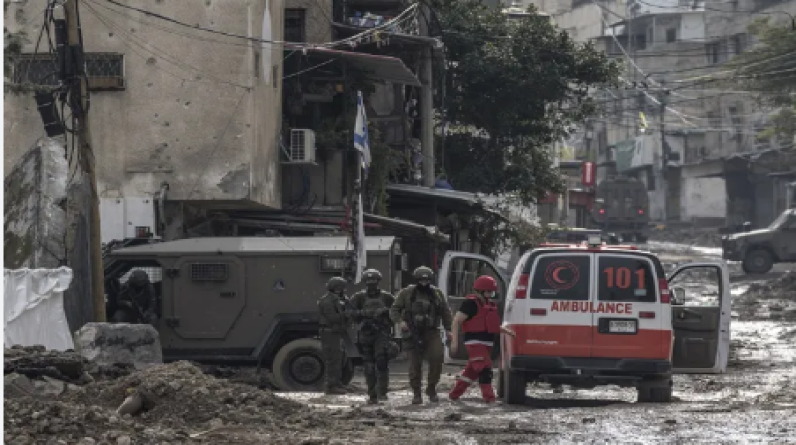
(335, 301)
(486, 319)
(424, 311)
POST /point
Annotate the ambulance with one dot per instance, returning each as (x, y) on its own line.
(594, 314)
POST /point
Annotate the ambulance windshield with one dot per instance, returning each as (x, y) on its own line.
(561, 277)
(626, 279)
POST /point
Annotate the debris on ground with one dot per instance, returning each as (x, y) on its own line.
(782, 287)
(703, 237)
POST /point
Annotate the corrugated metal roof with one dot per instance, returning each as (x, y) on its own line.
(391, 69)
(213, 245)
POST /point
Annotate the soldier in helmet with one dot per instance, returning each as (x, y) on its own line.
(371, 311)
(420, 309)
(137, 301)
(333, 324)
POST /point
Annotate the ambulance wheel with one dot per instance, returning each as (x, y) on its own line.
(501, 384)
(659, 391)
(514, 387)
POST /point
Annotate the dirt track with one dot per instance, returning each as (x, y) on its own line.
(753, 402)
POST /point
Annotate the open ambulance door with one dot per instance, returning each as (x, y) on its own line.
(455, 279)
(701, 308)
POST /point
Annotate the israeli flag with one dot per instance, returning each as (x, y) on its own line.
(361, 139)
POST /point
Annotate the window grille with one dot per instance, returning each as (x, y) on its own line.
(209, 272)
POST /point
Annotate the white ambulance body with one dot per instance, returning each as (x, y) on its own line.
(588, 315)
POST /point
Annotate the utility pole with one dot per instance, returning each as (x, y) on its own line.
(427, 101)
(79, 103)
(664, 152)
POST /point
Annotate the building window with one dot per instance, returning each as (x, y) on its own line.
(713, 52)
(105, 71)
(671, 35)
(295, 25)
(738, 43)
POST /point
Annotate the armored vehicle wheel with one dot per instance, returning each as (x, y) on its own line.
(514, 387)
(298, 366)
(758, 261)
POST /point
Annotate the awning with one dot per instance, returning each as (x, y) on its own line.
(390, 69)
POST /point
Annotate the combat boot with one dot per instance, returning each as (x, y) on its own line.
(432, 394)
(418, 398)
(373, 400)
(383, 396)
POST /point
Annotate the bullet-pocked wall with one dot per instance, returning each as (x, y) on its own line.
(198, 110)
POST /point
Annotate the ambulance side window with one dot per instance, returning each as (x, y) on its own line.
(561, 277)
(626, 279)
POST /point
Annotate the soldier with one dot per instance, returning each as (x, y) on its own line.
(371, 309)
(137, 301)
(333, 324)
(419, 308)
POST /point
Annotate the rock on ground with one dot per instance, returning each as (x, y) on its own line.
(110, 343)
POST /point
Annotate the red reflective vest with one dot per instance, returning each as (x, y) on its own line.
(486, 319)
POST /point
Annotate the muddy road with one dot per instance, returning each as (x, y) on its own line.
(754, 402)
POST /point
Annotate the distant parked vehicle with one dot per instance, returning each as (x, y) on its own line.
(621, 205)
(759, 250)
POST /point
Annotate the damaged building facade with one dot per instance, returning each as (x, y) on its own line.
(168, 122)
(256, 140)
(719, 168)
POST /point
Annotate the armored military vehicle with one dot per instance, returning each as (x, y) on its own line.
(759, 250)
(248, 300)
(621, 205)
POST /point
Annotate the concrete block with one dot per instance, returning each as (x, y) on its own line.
(108, 344)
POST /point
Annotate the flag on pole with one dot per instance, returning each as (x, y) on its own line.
(361, 139)
(362, 144)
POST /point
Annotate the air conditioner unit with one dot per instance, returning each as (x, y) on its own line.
(302, 146)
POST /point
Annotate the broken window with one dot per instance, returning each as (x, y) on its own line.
(105, 71)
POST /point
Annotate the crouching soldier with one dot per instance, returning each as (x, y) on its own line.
(333, 328)
(420, 309)
(137, 301)
(370, 308)
(479, 318)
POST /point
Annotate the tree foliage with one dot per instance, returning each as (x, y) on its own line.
(511, 90)
(770, 69)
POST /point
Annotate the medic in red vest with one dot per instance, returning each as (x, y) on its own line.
(480, 321)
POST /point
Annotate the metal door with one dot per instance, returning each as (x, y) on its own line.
(456, 276)
(209, 295)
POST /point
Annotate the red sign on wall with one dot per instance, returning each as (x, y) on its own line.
(587, 175)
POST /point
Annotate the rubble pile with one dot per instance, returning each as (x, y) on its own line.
(180, 394)
(56, 396)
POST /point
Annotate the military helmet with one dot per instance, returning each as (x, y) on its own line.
(423, 273)
(336, 284)
(371, 275)
(139, 278)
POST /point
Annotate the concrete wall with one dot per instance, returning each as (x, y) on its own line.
(199, 111)
(703, 198)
